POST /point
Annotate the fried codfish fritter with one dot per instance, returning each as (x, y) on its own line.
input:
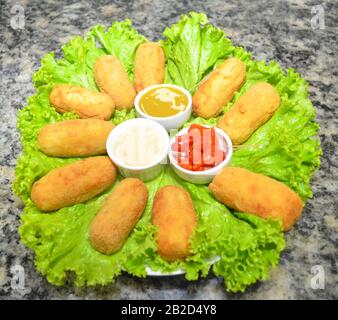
(149, 65)
(75, 138)
(255, 193)
(74, 183)
(118, 216)
(218, 88)
(112, 78)
(174, 216)
(250, 111)
(85, 103)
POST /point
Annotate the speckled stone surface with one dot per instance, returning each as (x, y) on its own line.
(280, 30)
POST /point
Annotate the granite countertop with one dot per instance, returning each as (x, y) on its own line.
(287, 31)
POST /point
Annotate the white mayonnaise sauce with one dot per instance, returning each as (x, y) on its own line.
(140, 146)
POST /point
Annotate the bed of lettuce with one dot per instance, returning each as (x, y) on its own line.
(248, 246)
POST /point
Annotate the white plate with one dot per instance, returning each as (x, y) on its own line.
(177, 272)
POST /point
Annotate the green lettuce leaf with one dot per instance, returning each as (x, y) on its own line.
(75, 68)
(283, 148)
(246, 246)
(192, 48)
(120, 40)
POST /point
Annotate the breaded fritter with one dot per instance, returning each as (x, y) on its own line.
(174, 216)
(118, 216)
(149, 65)
(112, 78)
(75, 138)
(249, 112)
(83, 102)
(74, 183)
(218, 88)
(255, 193)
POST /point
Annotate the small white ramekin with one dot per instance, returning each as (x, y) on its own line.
(149, 171)
(172, 122)
(200, 177)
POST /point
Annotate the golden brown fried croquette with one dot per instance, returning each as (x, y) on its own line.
(174, 216)
(112, 78)
(75, 138)
(255, 193)
(85, 103)
(218, 88)
(149, 65)
(74, 183)
(250, 111)
(118, 216)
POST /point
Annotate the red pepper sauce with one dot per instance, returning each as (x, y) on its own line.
(198, 149)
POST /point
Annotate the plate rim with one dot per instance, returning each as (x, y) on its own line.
(177, 272)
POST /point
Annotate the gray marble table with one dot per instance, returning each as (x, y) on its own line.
(287, 31)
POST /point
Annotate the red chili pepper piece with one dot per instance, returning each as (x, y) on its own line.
(186, 166)
(197, 127)
(195, 148)
(198, 149)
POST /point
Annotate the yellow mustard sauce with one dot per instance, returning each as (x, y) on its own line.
(163, 102)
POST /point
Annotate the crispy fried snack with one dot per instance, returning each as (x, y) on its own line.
(73, 183)
(255, 193)
(174, 215)
(218, 88)
(111, 78)
(250, 111)
(118, 216)
(149, 65)
(85, 103)
(75, 138)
